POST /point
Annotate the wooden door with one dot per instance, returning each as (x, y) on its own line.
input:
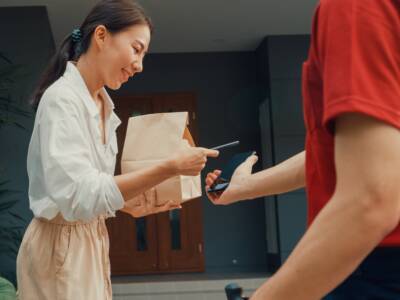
(167, 242)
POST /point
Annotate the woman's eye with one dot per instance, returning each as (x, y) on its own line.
(136, 51)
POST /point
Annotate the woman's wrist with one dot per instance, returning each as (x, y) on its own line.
(170, 167)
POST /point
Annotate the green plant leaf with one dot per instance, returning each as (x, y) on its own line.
(7, 196)
(5, 58)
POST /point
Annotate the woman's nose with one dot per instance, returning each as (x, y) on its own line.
(138, 66)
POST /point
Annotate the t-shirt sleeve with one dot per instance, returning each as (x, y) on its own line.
(358, 52)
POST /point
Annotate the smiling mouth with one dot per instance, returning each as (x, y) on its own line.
(127, 75)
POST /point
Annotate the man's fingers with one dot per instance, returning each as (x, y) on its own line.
(217, 172)
(209, 181)
(247, 166)
(213, 176)
(252, 159)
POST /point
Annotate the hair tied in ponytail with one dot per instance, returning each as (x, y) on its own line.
(76, 35)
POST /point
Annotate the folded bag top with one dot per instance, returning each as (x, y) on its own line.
(154, 136)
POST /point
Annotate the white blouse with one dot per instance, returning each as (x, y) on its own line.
(70, 169)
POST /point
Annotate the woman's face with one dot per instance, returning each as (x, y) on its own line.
(122, 54)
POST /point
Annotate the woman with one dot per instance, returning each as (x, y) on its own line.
(71, 158)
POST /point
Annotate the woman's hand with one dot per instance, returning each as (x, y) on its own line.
(146, 204)
(191, 161)
(237, 188)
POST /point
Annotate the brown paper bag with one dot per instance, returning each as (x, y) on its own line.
(156, 137)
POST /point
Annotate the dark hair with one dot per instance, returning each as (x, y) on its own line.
(115, 15)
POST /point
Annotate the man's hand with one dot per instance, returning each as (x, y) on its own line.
(237, 185)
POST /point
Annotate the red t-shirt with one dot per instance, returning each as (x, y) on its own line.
(353, 66)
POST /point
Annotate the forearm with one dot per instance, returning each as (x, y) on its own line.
(339, 239)
(363, 210)
(135, 183)
(285, 177)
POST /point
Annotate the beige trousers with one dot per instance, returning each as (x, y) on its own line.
(60, 260)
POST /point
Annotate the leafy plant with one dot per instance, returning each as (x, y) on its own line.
(12, 227)
(7, 196)
(10, 75)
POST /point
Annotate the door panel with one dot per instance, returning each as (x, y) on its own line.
(167, 242)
